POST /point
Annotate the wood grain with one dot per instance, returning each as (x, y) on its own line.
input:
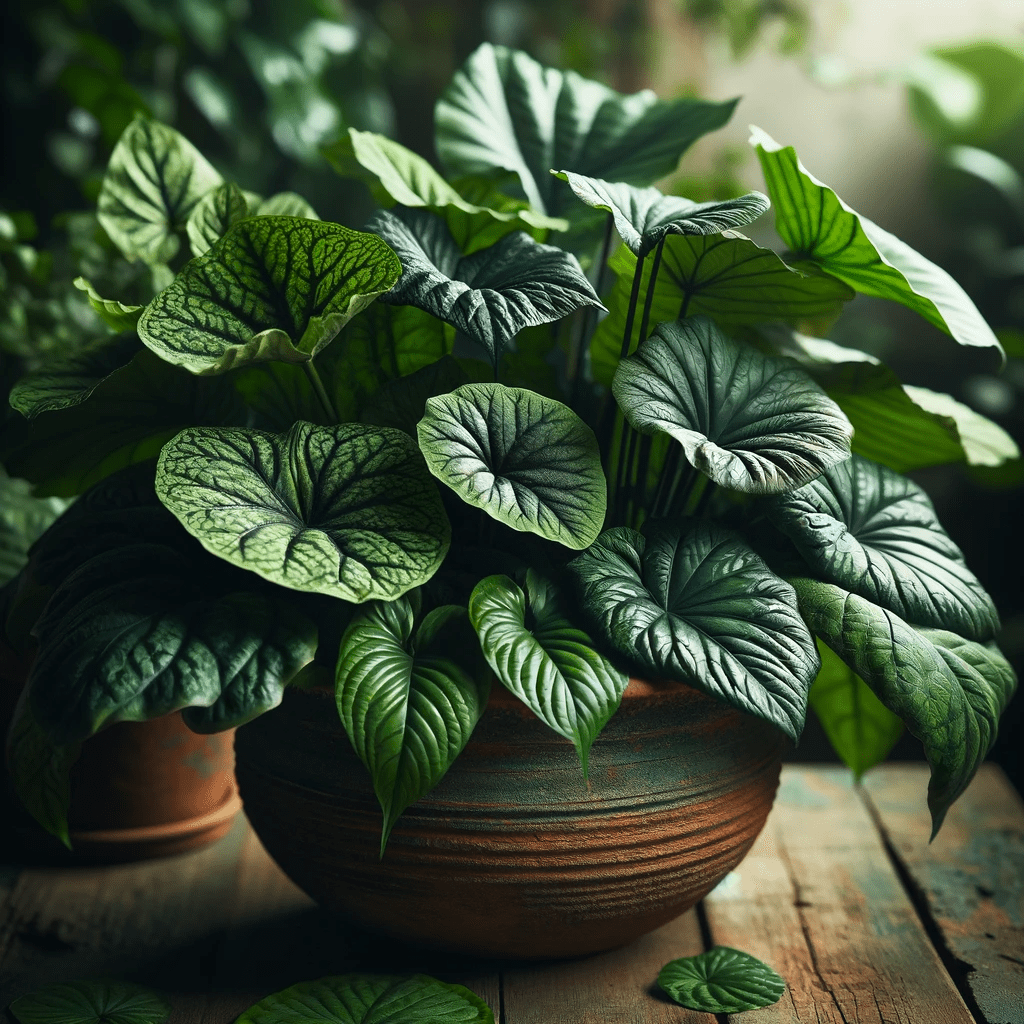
(971, 877)
(819, 900)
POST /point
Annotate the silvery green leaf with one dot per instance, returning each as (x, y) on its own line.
(643, 216)
(154, 179)
(691, 601)
(526, 460)
(213, 215)
(751, 422)
(349, 511)
(271, 288)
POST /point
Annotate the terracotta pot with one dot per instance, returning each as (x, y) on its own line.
(513, 854)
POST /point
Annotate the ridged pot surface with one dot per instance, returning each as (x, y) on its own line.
(513, 854)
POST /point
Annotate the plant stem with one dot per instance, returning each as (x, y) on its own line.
(321, 391)
(634, 295)
(640, 486)
(649, 297)
(588, 320)
(668, 471)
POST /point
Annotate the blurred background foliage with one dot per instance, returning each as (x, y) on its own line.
(261, 87)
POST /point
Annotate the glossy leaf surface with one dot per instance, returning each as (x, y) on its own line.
(750, 422)
(92, 1002)
(721, 980)
(271, 288)
(348, 511)
(546, 661)
(692, 602)
(409, 695)
(527, 461)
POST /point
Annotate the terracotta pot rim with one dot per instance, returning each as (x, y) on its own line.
(224, 812)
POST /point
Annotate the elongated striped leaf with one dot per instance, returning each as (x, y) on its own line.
(271, 288)
(749, 421)
(550, 664)
(409, 695)
(817, 225)
(349, 511)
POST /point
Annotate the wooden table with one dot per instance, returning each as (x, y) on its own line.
(841, 894)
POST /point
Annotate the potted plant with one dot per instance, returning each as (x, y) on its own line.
(471, 516)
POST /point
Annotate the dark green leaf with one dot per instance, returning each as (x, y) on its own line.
(948, 691)
(118, 315)
(721, 980)
(749, 421)
(154, 179)
(505, 111)
(724, 276)
(490, 295)
(527, 461)
(348, 511)
(861, 729)
(692, 602)
(409, 696)
(643, 216)
(211, 217)
(92, 1002)
(271, 288)
(23, 517)
(875, 533)
(370, 999)
(401, 402)
(546, 661)
(817, 225)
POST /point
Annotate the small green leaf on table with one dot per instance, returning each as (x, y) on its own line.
(721, 980)
(370, 999)
(92, 1002)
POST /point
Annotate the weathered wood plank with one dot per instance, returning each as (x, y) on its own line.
(613, 988)
(819, 900)
(971, 877)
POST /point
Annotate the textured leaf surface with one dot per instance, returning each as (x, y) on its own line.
(211, 217)
(271, 288)
(371, 999)
(750, 422)
(694, 603)
(527, 461)
(118, 315)
(503, 110)
(875, 533)
(286, 204)
(948, 691)
(546, 661)
(492, 294)
(643, 216)
(348, 511)
(92, 1002)
(817, 225)
(409, 695)
(401, 402)
(721, 980)
(154, 180)
(861, 729)
(726, 277)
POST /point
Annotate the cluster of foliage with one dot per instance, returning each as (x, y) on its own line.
(433, 454)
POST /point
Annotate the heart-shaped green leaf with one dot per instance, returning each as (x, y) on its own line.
(401, 402)
(371, 999)
(491, 295)
(271, 288)
(749, 421)
(285, 204)
(125, 419)
(817, 225)
(861, 729)
(948, 691)
(211, 217)
(398, 175)
(644, 216)
(692, 602)
(409, 695)
(349, 511)
(726, 276)
(92, 1002)
(721, 980)
(154, 179)
(544, 659)
(118, 315)
(503, 110)
(527, 461)
(875, 533)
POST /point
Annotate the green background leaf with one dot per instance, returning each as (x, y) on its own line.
(92, 1002)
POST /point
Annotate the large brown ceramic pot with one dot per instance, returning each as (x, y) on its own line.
(513, 854)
